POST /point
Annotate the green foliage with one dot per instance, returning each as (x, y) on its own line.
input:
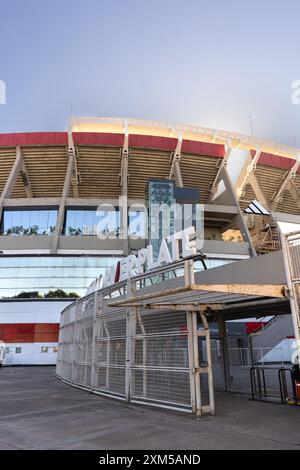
(59, 293)
(52, 294)
(28, 295)
(33, 230)
(74, 231)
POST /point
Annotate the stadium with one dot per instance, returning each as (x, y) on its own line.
(52, 185)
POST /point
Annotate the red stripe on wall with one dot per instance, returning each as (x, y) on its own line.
(29, 332)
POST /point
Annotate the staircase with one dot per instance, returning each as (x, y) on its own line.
(277, 329)
(265, 233)
(268, 240)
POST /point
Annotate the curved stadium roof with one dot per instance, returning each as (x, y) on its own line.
(99, 142)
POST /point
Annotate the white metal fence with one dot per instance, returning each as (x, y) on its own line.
(136, 354)
(104, 351)
(95, 348)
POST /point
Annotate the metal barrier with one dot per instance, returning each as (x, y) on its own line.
(258, 383)
(239, 363)
(133, 354)
(285, 390)
(274, 387)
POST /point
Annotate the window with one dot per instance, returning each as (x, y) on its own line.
(55, 349)
(18, 350)
(137, 227)
(33, 221)
(89, 221)
(44, 273)
(44, 349)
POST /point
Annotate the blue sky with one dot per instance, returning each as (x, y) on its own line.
(211, 63)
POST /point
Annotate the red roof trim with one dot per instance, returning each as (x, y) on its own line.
(96, 138)
(203, 148)
(111, 139)
(34, 138)
(275, 161)
(149, 142)
(152, 142)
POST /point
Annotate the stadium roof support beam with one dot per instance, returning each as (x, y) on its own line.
(287, 185)
(295, 193)
(175, 171)
(223, 165)
(124, 191)
(26, 181)
(12, 178)
(62, 205)
(75, 178)
(247, 176)
(228, 197)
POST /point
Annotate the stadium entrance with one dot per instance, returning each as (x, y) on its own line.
(148, 339)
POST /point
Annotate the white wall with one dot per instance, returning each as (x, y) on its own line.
(31, 354)
(32, 311)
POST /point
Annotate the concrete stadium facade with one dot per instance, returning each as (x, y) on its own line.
(51, 184)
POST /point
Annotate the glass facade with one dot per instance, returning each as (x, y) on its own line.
(137, 224)
(89, 221)
(29, 221)
(44, 273)
(160, 194)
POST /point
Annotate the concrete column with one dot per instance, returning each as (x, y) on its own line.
(124, 194)
(61, 211)
(11, 180)
(240, 217)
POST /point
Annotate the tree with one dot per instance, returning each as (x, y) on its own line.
(60, 294)
(28, 295)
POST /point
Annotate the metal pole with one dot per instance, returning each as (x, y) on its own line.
(292, 292)
(93, 375)
(128, 355)
(131, 316)
(189, 278)
(224, 349)
(209, 365)
(196, 364)
(74, 340)
(191, 360)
